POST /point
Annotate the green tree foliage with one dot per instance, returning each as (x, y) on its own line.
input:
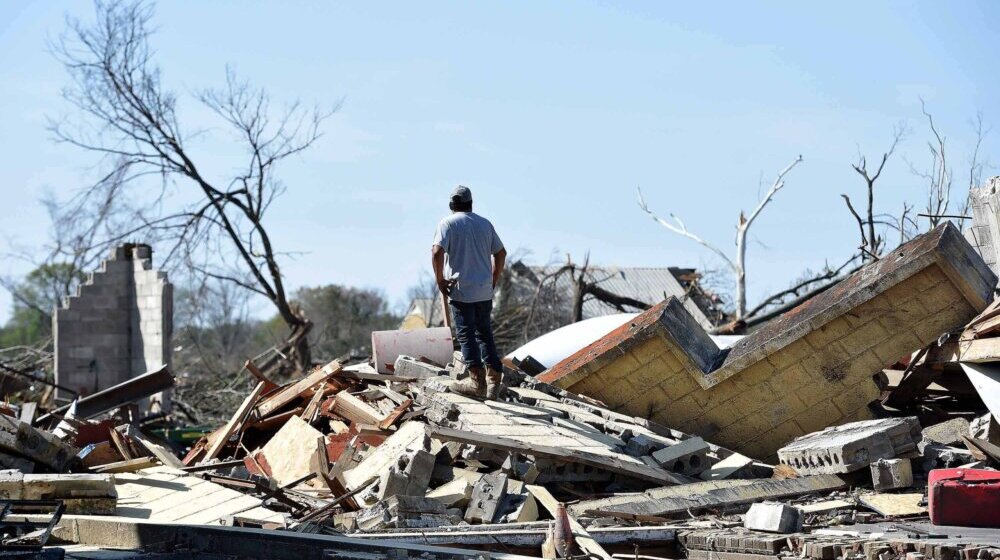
(344, 318)
(35, 298)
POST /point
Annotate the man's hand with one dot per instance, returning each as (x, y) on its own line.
(445, 286)
(498, 261)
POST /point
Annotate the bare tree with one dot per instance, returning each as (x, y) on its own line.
(738, 264)
(871, 243)
(214, 337)
(977, 166)
(129, 118)
(939, 177)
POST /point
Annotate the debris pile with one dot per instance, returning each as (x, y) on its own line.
(805, 439)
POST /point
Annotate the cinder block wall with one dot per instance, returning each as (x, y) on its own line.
(117, 326)
(812, 369)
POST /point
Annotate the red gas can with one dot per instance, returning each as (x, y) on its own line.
(964, 497)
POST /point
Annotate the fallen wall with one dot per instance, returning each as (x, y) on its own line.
(116, 327)
(803, 371)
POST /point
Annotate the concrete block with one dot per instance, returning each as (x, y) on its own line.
(773, 517)
(453, 494)
(411, 367)
(730, 467)
(850, 447)
(689, 457)
(400, 512)
(434, 344)
(409, 437)
(949, 432)
(486, 498)
(890, 474)
(409, 476)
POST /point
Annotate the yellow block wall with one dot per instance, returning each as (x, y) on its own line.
(820, 380)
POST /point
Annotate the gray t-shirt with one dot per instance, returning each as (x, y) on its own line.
(469, 242)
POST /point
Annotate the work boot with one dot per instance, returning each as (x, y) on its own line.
(493, 383)
(472, 386)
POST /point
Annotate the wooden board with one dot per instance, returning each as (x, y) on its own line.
(235, 422)
(291, 392)
(580, 535)
(165, 455)
(356, 410)
(895, 505)
(827, 505)
(395, 415)
(130, 465)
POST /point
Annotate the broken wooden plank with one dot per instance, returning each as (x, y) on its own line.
(213, 466)
(259, 376)
(234, 423)
(356, 410)
(986, 448)
(311, 409)
(295, 390)
(895, 505)
(275, 421)
(609, 463)
(709, 494)
(165, 455)
(968, 351)
(521, 535)
(825, 506)
(580, 535)
(130, 465)
(395, 415)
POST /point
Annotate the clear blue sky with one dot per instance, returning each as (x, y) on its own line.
(553, 113)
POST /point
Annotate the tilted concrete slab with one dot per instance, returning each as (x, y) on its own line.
(850, 447)
(806, 370)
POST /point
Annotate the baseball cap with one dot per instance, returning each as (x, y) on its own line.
(461, 194)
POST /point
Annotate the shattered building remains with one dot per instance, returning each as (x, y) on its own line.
(857, 426)
(810, 368)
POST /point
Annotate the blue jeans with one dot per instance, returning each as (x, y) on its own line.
(475, 333)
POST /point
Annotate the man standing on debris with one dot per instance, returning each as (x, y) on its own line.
(469, 248)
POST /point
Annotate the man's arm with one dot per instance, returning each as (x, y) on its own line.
(499, 258)
(437, 263)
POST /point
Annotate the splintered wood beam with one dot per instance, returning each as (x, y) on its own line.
(356, 410)
(309, 413)
(294, 391)
(580, 535)
(234, 423)
(259, 376)
(395, 415)
(969, 351)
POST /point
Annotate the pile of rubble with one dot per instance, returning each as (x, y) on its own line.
(649, 443)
